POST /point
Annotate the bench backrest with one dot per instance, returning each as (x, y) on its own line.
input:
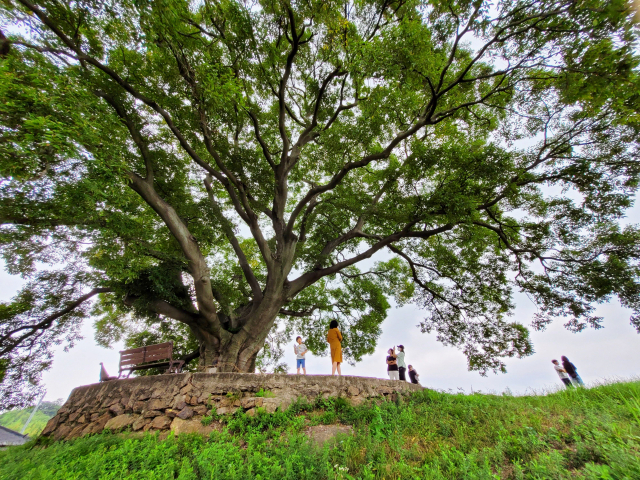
(148, 354)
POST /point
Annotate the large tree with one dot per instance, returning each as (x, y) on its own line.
(207, 171)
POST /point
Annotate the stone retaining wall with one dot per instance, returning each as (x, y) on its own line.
(179, 402)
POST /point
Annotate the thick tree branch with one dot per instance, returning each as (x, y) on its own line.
(225, 176)
(337, 178)
(313, 276)
(331, 245)
(134, 131)
(337, 72)
(162, 307)
(228, 231)
(308, 133)
(454, 48)
(8, 344)
(305, 218)
(192, 356)
(197, 264)
(421, 284)
(263, 144)
(282, 88)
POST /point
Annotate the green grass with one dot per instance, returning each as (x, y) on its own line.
(15, 419)
(264, 393)
(587, 433)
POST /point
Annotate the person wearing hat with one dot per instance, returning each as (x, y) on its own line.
(402, 367)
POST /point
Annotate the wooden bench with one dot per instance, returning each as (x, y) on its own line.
(151, 356)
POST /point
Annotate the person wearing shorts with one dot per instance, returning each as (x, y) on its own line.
(300, 349)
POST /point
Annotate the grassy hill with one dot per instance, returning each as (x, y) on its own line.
(15, 419)
(588, 433)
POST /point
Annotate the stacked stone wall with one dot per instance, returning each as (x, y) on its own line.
(179, 402)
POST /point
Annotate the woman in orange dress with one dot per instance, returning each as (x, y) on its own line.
(334, 338)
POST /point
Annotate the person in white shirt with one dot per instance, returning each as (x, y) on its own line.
(300, 349)
(562, 373)
(402, 367)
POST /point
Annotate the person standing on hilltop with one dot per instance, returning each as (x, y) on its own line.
(334, 337)
(392, 364)
(413, 375)
(300, 349)
(402, 367)
(571, 369)
(562, 373)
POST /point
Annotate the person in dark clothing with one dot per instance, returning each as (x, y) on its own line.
(392, 365)
(571, 369)
(413, 375)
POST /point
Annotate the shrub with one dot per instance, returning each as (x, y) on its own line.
(591, 433)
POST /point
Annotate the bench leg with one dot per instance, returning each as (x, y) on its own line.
(175, 366)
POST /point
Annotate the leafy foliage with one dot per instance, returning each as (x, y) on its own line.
(248, 170)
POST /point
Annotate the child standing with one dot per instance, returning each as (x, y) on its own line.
(562, 373)
(300, 349)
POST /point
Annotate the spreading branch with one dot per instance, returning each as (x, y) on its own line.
(8, 342)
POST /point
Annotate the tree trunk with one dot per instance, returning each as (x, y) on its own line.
(231, 357)
(237, 352)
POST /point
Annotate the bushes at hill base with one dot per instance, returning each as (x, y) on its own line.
(591, 434)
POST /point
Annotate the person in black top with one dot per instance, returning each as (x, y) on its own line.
(392, 365)
(571, 369)
(413, 375)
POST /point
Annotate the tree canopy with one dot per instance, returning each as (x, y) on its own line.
(220, 172)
